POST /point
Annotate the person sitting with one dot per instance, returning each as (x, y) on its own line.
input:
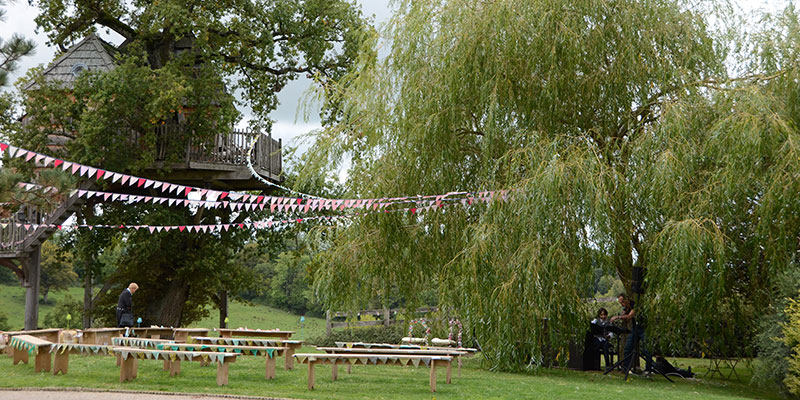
(601, 335)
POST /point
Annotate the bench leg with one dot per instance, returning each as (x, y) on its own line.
(42, 361)
(119, 360)
(128, 369)
(174, 368)
(310, 375)
(270, 367)
(60, 363)
(289, 359)
(433, 376)
(20, 355)
(334, 371)
(449, 365)
(222, 373)
(349, 368)
(166, 364)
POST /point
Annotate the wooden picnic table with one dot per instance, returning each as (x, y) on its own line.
(270, 353)
(130, 356)
(100, 335)
(61, 351)
(51, 335)
(226, 333)
(457, 354)
(181, 335)
(25, 345)
(291, 345)
(313, 359)
(154, 332)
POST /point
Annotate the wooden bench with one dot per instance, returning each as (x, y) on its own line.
(181, 335)
(130, 356)
(456, 354)
(373, 359)
(61, 351)
(138, 342)
(25, 345)
(102, 336)
(291, 345)
(270, 353)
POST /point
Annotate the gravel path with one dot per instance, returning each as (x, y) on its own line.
(83, 394)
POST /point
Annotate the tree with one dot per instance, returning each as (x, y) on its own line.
(619, 132)
(12, 50)
(179, 59)
(57, 271)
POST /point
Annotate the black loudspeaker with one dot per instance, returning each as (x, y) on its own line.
(637, 280)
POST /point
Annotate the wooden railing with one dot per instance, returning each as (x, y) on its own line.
(174, 142)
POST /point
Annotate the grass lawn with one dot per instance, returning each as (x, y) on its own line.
(247, 378)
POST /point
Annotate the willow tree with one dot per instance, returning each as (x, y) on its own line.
(623, 140)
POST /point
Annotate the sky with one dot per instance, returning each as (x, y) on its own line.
(290, 118)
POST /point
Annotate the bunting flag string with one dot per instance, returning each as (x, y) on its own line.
(311, 203)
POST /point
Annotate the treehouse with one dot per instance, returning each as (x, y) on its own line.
(217, 161)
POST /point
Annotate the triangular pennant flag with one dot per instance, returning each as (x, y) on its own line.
(147, 184)
(125, 179)
(29, 155)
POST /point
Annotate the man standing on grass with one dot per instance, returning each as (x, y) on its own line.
(125, 306)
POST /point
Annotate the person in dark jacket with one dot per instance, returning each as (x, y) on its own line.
(125, 305)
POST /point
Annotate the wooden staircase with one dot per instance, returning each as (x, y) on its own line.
(20, 247)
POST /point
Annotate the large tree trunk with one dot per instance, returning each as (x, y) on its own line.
(223, 309)
(169, 310)
(34, 271)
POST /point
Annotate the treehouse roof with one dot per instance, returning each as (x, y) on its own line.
(90, 54)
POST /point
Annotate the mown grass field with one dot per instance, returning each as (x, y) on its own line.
(373, 382)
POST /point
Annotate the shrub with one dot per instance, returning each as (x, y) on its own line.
(57, 317)
(368, 334)
(773, 352)
(791, 338)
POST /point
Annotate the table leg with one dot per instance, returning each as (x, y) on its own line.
(61, 363)
(135, 367)
(270, 367)
(311, 375)
(449, 365)
(127, 370)
(20, 355)
(174, 367)
(334, 371)
(222, 373)
(433, 376)
(289, 359)
(166, 364)
(42, 361)
(349, 367)
(459, 366)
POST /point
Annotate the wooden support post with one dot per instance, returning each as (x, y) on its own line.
(20, 355)
(33, 272)
(311, 374)
(222, 373)
(334, 371)
(289, 359)
(433, 376)
(174, 367)
(270, 366)
(128, 369)
(42, 361)
(61, 363)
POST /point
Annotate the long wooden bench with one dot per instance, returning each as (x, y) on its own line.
(25, 345)
(270, 353)
(373, 359)
(456, 354)
(291, 345)
(131, 355)
(61, 351)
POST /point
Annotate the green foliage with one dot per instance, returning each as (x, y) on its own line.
(791, 338)
(12, 50)
(4, 325)
(367, 334)
(57, 317)
(624, 141)
(57, 271)
(287, 285)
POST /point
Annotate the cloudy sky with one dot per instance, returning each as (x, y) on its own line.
(289, 123)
